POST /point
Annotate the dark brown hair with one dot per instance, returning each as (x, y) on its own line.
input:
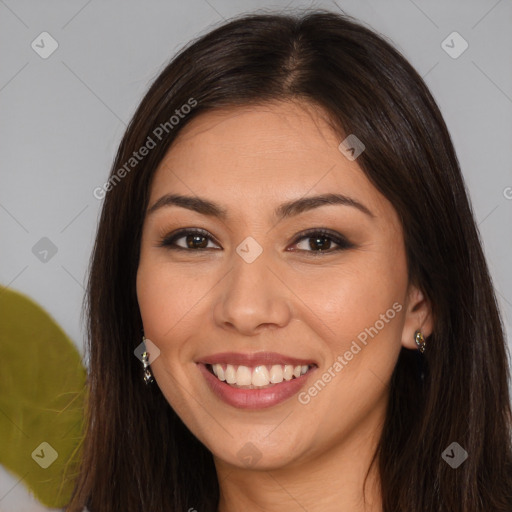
(137, 455)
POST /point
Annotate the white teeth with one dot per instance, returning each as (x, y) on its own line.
(230, 374)
(243, 376)
(219, 371)
(259, 376)
(288, 372)
(276, 374)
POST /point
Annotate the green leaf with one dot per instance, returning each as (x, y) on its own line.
(42, 390)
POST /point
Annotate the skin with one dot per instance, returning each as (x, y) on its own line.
(301, 303)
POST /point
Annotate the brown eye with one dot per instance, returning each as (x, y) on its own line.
(196, 241)
(321, 241)
(192, 239)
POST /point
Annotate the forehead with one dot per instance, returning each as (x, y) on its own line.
(255, 154)
(255, 135)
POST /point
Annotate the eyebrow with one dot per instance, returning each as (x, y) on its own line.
(288, 209)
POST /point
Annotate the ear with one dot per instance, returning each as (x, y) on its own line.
(418, 315)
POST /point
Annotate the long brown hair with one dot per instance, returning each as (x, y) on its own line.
(137, 455)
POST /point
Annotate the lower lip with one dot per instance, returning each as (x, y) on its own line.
(254, 398)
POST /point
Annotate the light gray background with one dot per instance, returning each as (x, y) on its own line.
(63, 117)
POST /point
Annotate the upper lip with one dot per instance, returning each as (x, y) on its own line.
(255, 359)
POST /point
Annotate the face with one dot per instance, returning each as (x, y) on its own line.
(279, 317)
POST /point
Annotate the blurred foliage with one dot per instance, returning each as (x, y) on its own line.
(42, 390)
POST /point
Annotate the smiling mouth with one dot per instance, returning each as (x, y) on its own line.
(257, 377)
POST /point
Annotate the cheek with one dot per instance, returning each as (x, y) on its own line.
(350, 300)
(166, 302)
(359, 313)
(152, 299)
(166, 296)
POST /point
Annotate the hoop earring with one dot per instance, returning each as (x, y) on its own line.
(420, 341)
(148, 376)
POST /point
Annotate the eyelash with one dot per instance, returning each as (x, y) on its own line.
(170, 241)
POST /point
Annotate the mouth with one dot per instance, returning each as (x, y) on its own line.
(257, 377)
(255, 381)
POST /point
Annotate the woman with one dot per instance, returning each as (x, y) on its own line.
(287, 246)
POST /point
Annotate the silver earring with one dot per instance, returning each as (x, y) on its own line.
(420, 341)
(148, 376)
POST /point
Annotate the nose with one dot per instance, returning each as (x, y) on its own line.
(252, 298)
